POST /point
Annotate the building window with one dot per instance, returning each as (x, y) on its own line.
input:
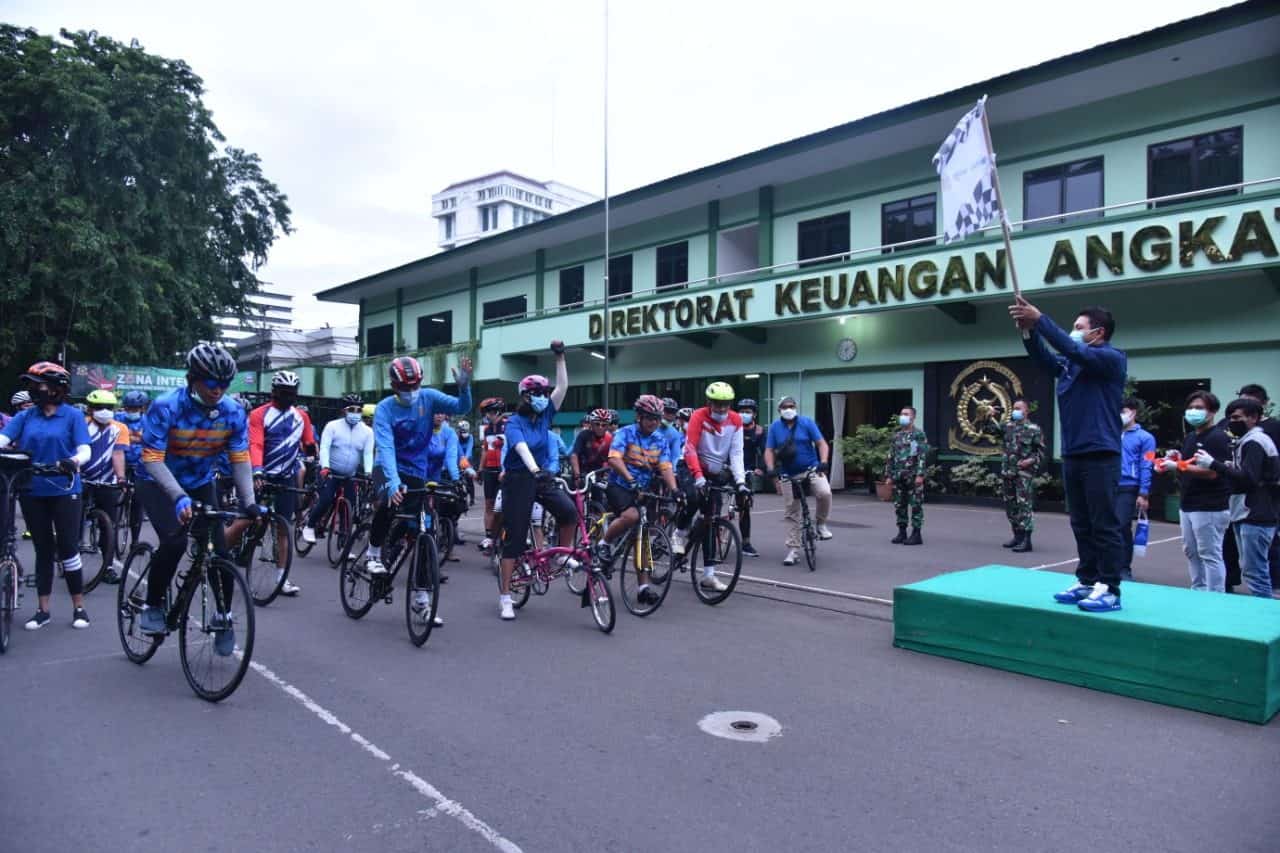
(435, 330)
(489, 217)
(572, 287)
(1195, 163)
(620, 277)
(447, 222)
(500, 310)
(379, 340)
(909, 219)
(822, 237)
(1059, 190)
(673, 265)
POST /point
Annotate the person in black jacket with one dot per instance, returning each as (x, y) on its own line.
(753, 461)
(1271, 426)
(1254, 475)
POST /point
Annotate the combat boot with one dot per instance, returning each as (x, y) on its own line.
(1024, 545)
(901, 537)
(1013, 543)
(914, 538)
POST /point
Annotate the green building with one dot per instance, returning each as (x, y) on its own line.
(1142, 174)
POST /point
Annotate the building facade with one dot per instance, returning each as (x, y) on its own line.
(267, 310)
(490, 204)
(1143, 175)
(271, 349)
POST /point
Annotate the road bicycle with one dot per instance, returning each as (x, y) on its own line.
(13, 468)
(335, 525)
(808, 529)
(128, 518)
(209, 598)
(411, 545)
(644, 556)
(266, 551)
(715, 541)
(97, 536)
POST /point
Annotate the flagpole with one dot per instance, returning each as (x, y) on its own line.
(1004, 212)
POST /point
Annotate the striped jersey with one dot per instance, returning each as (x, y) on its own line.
(104, 440)
(188, 436)
(276, 439)
(642, 454)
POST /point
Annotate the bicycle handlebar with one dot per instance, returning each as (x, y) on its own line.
(809, 472)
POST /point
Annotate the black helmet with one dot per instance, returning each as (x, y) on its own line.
(210, 361)
(748, 403)
(349, 400)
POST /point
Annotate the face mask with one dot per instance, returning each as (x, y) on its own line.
(666, 423)
(788, 414)
(1237, 428)
(282, 404)
(747, 417)
(104, 416)
(719, 417)
(904, 420)
(41, 396)
(133, 417)
(1017, 414)
(353, 418)
(404, 397)
(1195, 417)
(1126, 418)
(539, 403)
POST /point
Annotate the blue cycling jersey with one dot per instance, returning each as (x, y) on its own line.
(49, 439)
(643, 454)
(188, 437)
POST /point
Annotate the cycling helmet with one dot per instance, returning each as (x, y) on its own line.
(647, 404)
(599, 416)
(685, 413)
(720, 392)
(285, 379)
(492, 404)
(101, 397)
(367, 411)
(787, 401)
(464, 427)
(136, 400)
(20, 398)
(670, 405)
(48, 372)
(748, 403)
(210, 361)
(405, 372)
(534, 383)
(613, 416)
(349, 400)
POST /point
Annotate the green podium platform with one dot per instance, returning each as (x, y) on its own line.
(1208, 652)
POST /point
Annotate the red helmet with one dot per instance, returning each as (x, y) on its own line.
(48, 372)
(405, 372)
(492, 404)
(648, 404)
(534, 383)
(599, 416)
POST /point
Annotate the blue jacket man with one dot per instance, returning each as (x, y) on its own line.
(1090, 374)
(1135, 478)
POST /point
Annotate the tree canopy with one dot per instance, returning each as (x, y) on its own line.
(126, 223)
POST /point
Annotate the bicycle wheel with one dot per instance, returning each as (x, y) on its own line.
(131, 598)
(339, 530)
(652, 555)
(220, 604)
(422, 580)
(601, 602)
(522, 579)
(727, 560)
(303, 546)
(597, 520)
(97, 547)
(355, 587)
(123, 530)
(265, 571)
(8, 599)
(809, 539)
(446, 535)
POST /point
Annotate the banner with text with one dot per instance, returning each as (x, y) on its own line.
(121, 379)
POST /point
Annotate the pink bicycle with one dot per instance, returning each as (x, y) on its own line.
(537, 569)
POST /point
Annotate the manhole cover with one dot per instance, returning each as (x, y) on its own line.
(741, 725)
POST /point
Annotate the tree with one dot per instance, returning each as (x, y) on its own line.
(124, 230)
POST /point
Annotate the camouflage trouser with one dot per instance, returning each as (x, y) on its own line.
(907, 495)
(1019, 503)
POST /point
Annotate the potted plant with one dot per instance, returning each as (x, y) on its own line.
(867, 450)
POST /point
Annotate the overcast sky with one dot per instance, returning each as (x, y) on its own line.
(360, 114)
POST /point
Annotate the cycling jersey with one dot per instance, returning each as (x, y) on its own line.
(188, 437)
(536, 434)
(712, 447)
(49, 439)
(132, 453)
(104, 441)
(642, 454)
(345, 448)
(442, 455)
(466, 446)
(492, 441)
(675, 444)
(592, 451)
(276, 439)
(401, 433)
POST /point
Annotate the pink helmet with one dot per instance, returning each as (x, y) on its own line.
(534, 384)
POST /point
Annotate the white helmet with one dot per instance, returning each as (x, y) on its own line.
(464, 427)
(285, 379)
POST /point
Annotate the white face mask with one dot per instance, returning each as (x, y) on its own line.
(747, 417)
(788, 414)
(904, 420)
(104, 416)
(404, 397)
(719, 417)
(1126, 418)
(353, 418)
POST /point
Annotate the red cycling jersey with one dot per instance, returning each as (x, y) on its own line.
(491, 437)
(714, 446)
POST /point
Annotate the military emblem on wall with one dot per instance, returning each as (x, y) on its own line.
(977, 388)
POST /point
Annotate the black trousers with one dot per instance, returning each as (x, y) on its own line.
(1091, 482)
(1126, 507)
(172, 537)
(519, 491)
(54, 523)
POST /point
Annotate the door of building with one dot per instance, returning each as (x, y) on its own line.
(852, 409)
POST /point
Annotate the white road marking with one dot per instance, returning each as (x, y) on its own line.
(440, 802)
(1077, 559)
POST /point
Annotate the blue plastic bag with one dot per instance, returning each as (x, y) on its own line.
(1140, 534)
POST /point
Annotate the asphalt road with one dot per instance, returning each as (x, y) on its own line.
(545, 735)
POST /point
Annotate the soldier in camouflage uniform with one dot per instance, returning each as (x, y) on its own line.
(905, 469)
(1022, 457)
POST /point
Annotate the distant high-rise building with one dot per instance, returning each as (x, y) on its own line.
(480, 207)
(267, 310)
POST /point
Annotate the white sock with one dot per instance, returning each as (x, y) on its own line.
(504, 599)
(643, 587)
(375, 552)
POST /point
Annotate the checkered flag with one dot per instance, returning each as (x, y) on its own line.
(966, 168)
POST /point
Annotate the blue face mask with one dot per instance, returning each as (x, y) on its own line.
(405, 397)
(747, 417)
(132, 416)
(1017, 414)
(904, 420)
(353, 418)
(539, 403)
(1196, 417)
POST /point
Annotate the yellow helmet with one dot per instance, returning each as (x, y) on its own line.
(367, 411)
(101, 397)
(720, 392)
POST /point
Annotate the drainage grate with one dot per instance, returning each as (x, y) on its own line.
(741, 726)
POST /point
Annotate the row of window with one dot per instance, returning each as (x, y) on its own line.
(448, 203)
(525, 216)
(512, 192)
(489, 217)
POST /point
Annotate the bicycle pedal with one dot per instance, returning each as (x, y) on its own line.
(387, 600)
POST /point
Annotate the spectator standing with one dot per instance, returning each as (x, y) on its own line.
(904, 468)
(1271, 427)
(1133, 492)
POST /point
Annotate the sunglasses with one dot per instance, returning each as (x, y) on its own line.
(353, 409)
(101, 408)
(215, 384)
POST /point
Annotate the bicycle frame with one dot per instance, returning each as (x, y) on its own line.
(547, 564)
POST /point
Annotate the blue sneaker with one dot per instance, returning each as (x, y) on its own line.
(224, 635)
(1073, 594)
(1101, 600)
(153, 620)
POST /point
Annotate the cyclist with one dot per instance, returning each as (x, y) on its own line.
(713, 452)
(682, 419)
(108, 444)
(346, 447)
(278, 433)
(493, 423)
(753, 437)
(402, 427)
(53, 433)
(591, 445)
(366, 414)
(466, 450)
(183, 432)
(527, 475)
(446, 464)
(795, 444)
(639, 451)
(135, 404)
